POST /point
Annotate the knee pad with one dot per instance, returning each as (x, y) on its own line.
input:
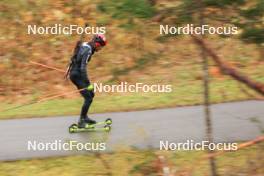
(90, 87)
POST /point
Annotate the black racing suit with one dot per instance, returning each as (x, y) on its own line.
(79, 76)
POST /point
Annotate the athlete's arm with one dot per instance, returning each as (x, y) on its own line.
(86, 55)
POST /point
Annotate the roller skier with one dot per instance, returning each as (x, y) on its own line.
(78, 74)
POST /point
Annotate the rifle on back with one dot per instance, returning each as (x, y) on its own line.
(75, 52)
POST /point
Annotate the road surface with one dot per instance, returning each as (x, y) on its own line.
(236, 121)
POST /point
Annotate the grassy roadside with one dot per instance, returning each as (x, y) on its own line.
(134, 162)
(182, 95)
(136, 53)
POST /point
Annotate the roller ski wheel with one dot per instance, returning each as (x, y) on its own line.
(73, 128)
(108, 121)
(107, 128)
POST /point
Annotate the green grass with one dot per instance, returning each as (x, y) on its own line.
(183, 94)
(127, 8)
(134, 162)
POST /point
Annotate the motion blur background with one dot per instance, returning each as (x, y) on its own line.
(136, 52)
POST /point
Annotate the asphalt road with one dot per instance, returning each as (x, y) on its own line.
(235, 121)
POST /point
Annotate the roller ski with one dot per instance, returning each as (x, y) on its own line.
(88, 125)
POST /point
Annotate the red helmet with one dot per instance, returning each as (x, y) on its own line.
(99, 40)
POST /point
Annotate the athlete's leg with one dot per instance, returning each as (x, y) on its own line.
(88, 98)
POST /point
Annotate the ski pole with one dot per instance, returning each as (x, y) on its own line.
(46, 66)
(44, 99)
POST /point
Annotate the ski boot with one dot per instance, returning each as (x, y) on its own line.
(86, 122)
